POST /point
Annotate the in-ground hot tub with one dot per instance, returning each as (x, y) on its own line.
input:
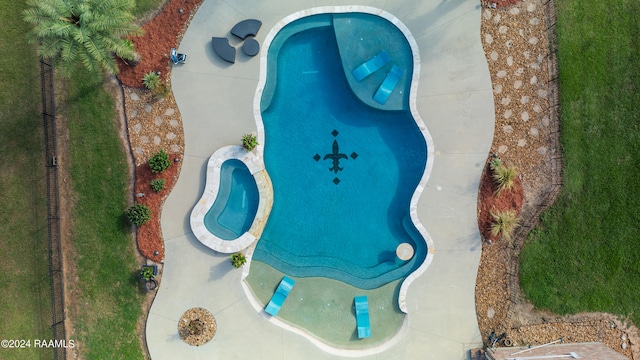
(236, 204)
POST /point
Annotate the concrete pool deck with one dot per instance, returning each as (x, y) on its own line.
(216, 100)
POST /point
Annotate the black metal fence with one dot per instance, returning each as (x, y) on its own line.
(53, 208)
(532, 219)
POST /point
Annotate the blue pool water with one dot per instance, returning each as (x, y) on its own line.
(343, 172)
(236, 204)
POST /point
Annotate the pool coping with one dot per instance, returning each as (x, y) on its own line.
(413, 206)
(212, 186)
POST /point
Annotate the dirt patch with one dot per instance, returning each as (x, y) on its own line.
(67, 200)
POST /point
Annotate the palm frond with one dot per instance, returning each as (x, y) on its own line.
(88, 31)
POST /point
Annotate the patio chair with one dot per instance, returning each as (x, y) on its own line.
(222, 48)
(362, 316)
(386, 88)
(246, 28)
(278, 298)
(370, 66)
(177, 57)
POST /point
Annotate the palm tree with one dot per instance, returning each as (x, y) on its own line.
(88, 31)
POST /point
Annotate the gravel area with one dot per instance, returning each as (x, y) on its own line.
(197, 326)
(153, 125)
(515, 43)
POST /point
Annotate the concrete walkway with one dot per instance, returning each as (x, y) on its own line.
(216, 103)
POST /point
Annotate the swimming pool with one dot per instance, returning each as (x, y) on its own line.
(344, 170)
(236, 203)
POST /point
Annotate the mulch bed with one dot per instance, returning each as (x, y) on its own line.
(488, 202)
(160, 35)
(150, 240)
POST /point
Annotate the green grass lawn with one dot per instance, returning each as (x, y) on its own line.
(109, 304)
(110, 300)
(585, 256)
(25, 299)
(144, 7)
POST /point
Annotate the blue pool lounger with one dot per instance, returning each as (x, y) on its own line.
(387, 86)
(370, 66)
(362, 316)
(278, 298)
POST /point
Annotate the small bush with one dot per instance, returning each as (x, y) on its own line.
(159, 162)
(162, 90)
(157, 184)
(147, 273)
(504, 222)
(495, 162)
(503, 176)
(151, 80)
(237, 260)
(249, 141)
(138, 214)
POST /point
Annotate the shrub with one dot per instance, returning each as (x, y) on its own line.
(249, 141)
(157, 184)
(147, 273)
(159, 162)
(504, 222)
(503, 176)
(138, 214)
(151, 80)
(162, 90)
(495, 162)
(237, 260)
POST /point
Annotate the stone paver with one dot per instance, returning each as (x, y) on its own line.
(162, 130)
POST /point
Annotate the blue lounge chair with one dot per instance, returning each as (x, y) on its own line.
(278, 298)
(370, 66)
(362, 316)
(387, 86)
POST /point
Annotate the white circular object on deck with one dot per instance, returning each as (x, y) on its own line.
(404, 251)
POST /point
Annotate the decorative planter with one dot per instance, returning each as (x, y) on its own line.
(150, 284)
(154, 267)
